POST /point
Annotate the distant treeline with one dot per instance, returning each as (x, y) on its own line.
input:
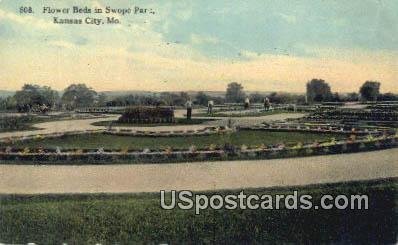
(163, 99)
(37, 98)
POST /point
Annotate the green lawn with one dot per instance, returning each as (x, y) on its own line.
(132, 218)
(247, 137)
(178, 121)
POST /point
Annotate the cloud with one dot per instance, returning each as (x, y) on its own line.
(62, 44)
(80, 40)
(200, 39)
(291, 19)
(114, 68)
(28, 21)
(139, 54)
(184, 10)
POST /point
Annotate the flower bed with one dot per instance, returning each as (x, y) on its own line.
(211, 153)
(339, 129)
(200, 132)
(143, 114)
(354, 115)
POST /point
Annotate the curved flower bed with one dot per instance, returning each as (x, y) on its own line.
(198, 132)
(124, 132)
(340, 129)
(354, 115)
(211, 153)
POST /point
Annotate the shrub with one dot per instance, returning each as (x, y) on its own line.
(147, 115)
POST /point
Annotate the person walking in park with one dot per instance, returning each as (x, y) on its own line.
(189, 109)
(210, 105)
(267, 104)
(247, 103)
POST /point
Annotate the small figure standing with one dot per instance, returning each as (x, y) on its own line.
(189, 109)
(210, 105)
(43, 108)
(58, 150)
(267, 104)
(247, 103)
(110, 126)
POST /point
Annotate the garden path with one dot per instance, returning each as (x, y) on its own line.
(134, 178)
(85, 124)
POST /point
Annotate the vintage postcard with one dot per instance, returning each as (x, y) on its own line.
(198, 122)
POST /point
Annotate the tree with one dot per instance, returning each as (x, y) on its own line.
(202, 98)
(370, 90)
(352, 97)
(235, 93)
(217, 99)
(102, 99)
(167, 98)
(174, 99)
(50, 97)
(181, 98)
(78, 95)
(387, 97)
(256, 98)
(286, 98)
(336, 97)
(33, 96)
(8, 103)
(136, 99)
(318, 91)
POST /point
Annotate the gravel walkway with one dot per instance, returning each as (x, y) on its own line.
(85, 124)
(29, 179)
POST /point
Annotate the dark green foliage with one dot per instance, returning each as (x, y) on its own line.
(32, 97)
(202, 98)
(286, 98)
(387, 97)
(78, 95)
(235, 93)
(318, 91)
(8, 103)
(370, 90)
(142, 114)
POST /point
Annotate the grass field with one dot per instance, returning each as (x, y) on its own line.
(178, 121)
(129, 218)
(247, 137)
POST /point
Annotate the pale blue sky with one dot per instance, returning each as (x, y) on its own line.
(190, 41)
